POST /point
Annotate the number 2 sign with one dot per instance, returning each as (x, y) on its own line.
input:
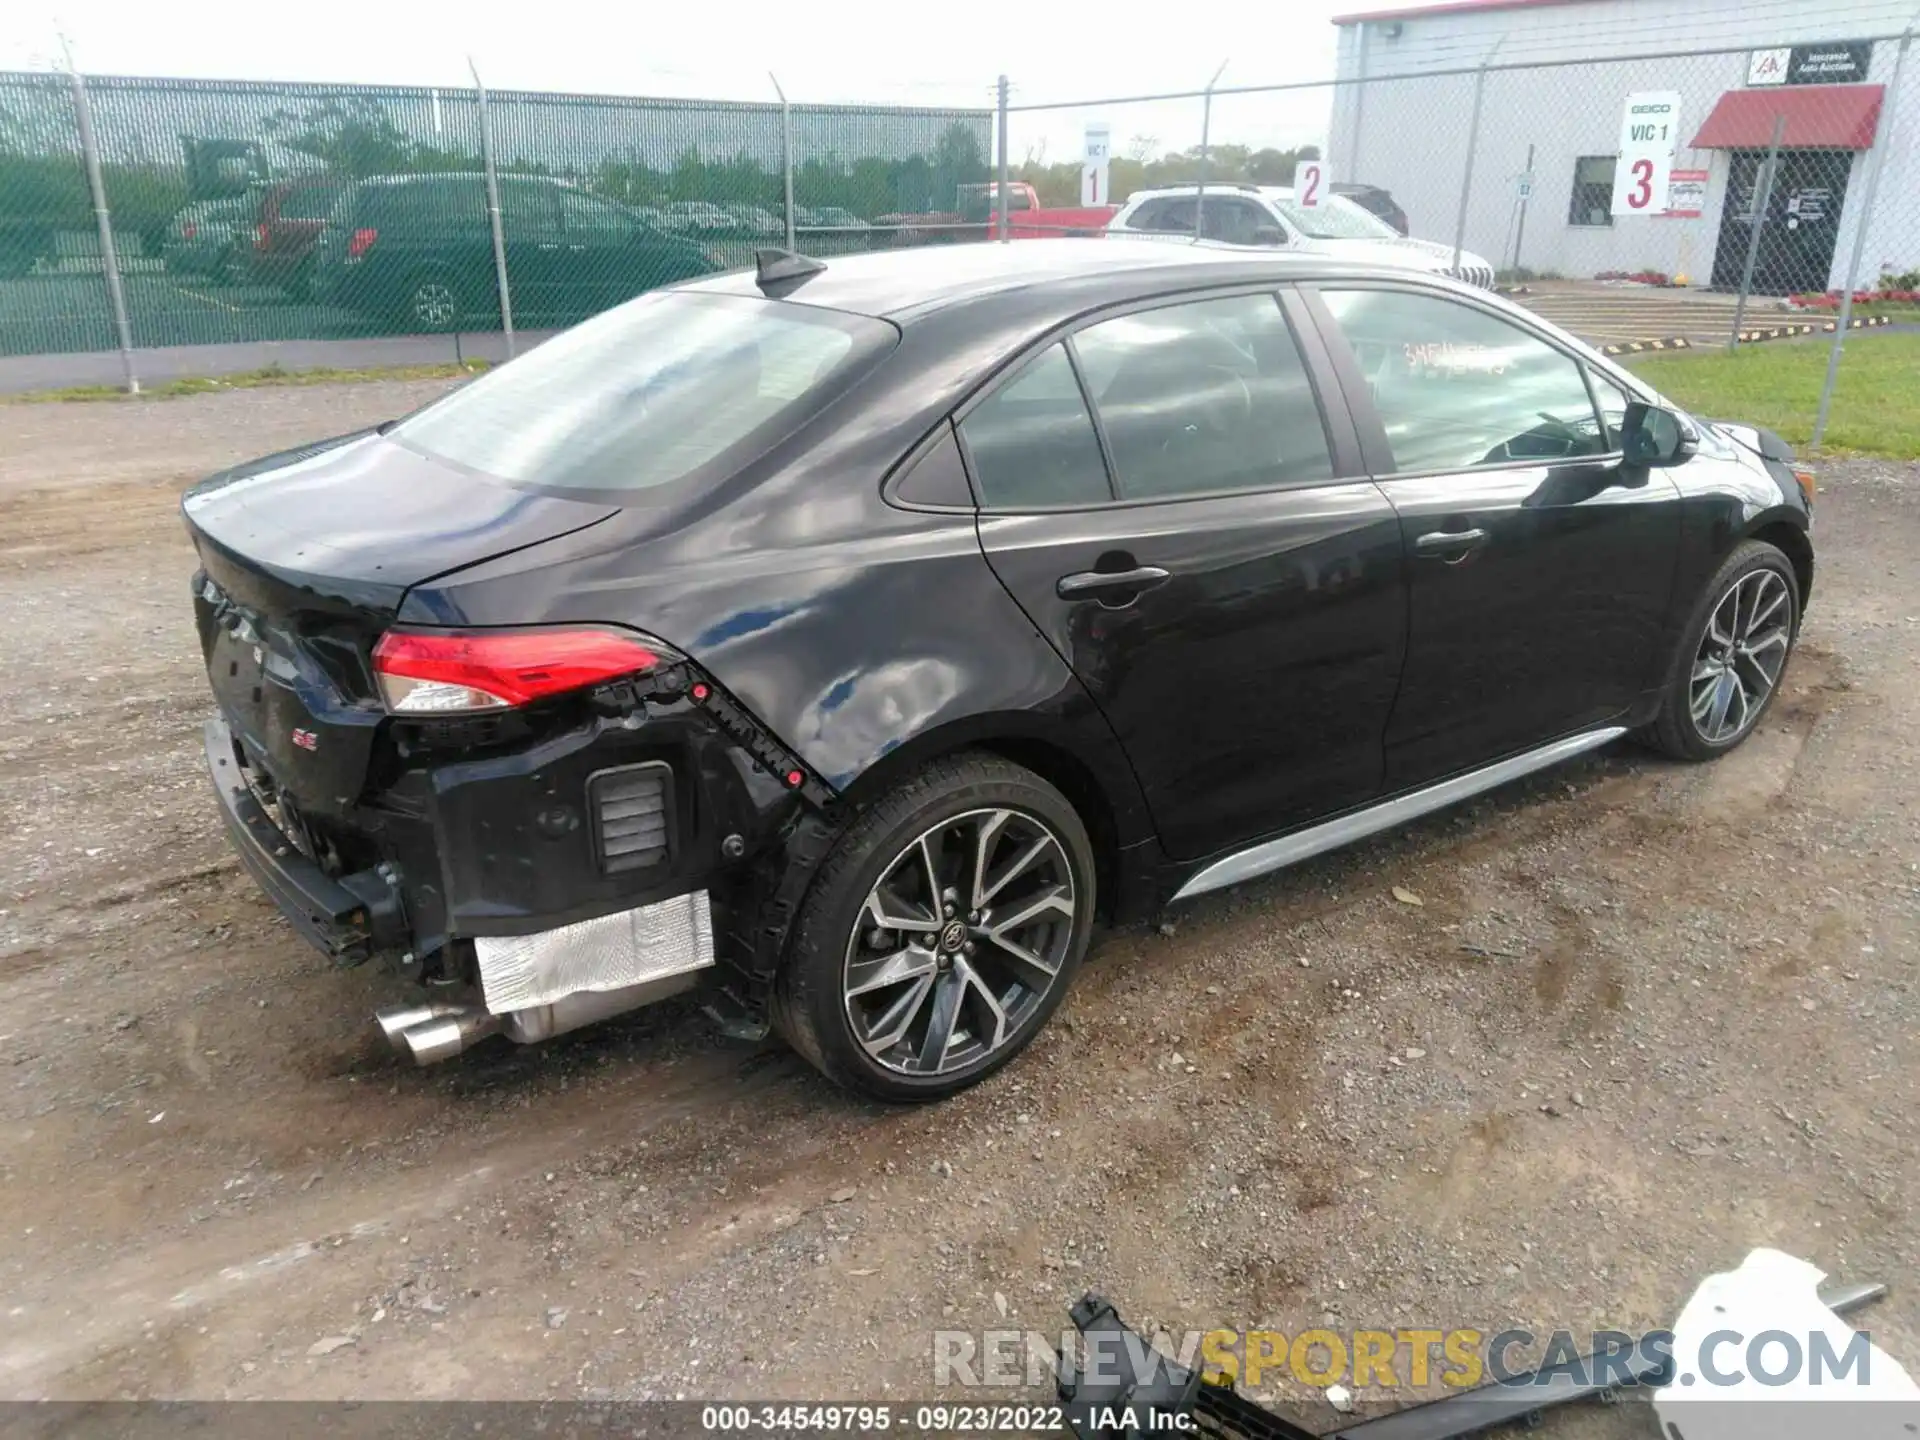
(1310, 184)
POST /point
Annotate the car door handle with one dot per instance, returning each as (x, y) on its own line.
(1110, 582)
(1449, 544)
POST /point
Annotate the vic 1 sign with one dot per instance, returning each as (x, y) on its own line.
(1310, 184)
(1649, 134)
(1094, 187)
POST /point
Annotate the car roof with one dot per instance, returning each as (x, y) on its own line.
(899, 284)
(1215, 187)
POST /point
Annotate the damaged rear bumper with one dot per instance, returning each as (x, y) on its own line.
(348, 919)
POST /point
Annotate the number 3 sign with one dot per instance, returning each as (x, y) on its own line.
(1310, 184)
(1640, 184)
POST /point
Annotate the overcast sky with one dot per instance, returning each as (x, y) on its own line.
(882, 51)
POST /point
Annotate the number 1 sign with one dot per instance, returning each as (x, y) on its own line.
(1310, 184)
(1649, 134)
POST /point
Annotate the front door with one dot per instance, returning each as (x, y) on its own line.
(1540, 565)
(1802, 221)
(1227, 590)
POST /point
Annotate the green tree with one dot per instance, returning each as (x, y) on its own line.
(349, 135)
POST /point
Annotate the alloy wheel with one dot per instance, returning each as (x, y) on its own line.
(959, 941)
(434, 305)
(1740, 656)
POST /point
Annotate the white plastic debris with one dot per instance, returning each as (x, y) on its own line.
(1767, 1325)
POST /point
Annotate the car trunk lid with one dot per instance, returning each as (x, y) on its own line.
(305, 559)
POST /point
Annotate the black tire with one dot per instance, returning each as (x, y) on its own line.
(811, 1006)
(1676, 730)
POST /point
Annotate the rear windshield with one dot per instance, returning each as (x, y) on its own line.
(649, 393)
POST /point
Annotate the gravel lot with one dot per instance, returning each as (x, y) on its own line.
(1643, 1018)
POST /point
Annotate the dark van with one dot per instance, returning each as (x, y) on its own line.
(415, 252)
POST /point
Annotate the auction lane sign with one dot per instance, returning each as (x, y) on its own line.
(1649, 134)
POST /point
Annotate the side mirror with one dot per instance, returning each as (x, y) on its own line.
(1655, 437)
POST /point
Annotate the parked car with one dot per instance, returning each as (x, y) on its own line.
(829, 217)
(1376, 201)
(697, 217)
(207, 237)
(847, 639)
(977, 217)
(754, 220)
(416, 252)
(1269, 215)
(287, 229)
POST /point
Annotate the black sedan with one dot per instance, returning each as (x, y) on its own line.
(848, 640)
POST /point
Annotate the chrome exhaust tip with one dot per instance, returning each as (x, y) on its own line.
(445, 1036)
(396, 1020)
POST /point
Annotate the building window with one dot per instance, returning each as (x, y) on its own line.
(1592, 202)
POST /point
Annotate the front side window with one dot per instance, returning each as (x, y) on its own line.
(593, 220)
(1592, 202)
(649, 393)
(1032, 442)
(1207, 396)
(1458, 388)
(1613, 408)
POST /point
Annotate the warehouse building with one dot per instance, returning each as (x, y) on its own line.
(1543, 156)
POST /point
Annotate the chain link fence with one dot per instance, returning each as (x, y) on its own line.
(1782, 198)
(1776, 194)
(242, 211)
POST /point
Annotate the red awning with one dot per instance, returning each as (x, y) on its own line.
(1819, 117)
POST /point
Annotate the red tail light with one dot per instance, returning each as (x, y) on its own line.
(260, 236)
(188, 230)
(423, 673)
(361, 242)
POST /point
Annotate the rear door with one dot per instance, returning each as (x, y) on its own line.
(1176, 502)
(1541, 564)
(545, 278)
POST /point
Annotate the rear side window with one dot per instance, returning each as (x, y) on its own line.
(308, 202)
(668, 387)
(1207, 396)
(1032, 442)
(1167, 215)
(1457, 388)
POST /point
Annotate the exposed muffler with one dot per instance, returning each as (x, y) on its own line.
(440, 1030)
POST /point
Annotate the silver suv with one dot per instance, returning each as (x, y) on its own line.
(1269, 216)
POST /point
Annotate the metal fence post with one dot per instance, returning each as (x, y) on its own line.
(1762, 197)
(1473, 145)
(1520, 225)
(786, 154)
(1206, 153)
(1002, 229)
(493, 211)
(1882, 142)
(109, 257)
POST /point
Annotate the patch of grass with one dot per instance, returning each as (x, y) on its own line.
(1876, 401)
(247, 380)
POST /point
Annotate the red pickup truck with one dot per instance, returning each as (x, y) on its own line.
(978, 215)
